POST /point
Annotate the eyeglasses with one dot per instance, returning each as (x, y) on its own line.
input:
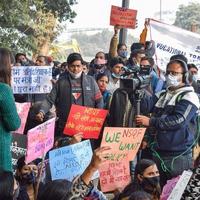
(173, 73)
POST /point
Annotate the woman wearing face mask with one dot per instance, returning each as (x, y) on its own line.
(27, 175)
(117, 49)
(102, 82)
(146, 178)
(9, 187)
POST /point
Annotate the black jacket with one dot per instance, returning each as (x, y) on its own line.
(61, 97)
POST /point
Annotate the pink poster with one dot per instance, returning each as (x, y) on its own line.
(22, 110)
(40, 140)
(114, 175)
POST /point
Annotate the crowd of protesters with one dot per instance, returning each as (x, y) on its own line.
(169, 110)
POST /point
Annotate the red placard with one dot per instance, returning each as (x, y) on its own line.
(123, 17)
(87, 120)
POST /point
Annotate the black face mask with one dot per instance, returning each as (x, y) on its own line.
(29, 178)
(150, 184)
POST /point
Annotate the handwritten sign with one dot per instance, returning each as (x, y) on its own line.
(31, 79)
(87, 120)
(70, 161)
(124, 142)
(180, 186)
(167, 189)
(40, 140)
(114, 175)
(18, 148)
(123, 17)
(22, 110)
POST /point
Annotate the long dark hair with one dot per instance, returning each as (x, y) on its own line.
(135, 184)
(55, 190)
(5, 66)
(6, 185)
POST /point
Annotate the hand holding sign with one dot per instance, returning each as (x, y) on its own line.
(40, 140)
(76, 138)
(40, 117)
(98, 159)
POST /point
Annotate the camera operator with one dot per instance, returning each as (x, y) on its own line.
(156, 84)
(137, 52)
(172, 113)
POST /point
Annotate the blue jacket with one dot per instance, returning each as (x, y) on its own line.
(171, 119)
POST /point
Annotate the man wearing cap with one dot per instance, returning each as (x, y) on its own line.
(173, 113)
(137, 52)
(74, 87)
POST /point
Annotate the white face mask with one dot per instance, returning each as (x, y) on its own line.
(172, 81)
(78, 75)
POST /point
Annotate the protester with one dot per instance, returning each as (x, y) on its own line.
(73, 88)
(137, 52)
(147, 63)
(140, 195)
(36, 100)
(56, 71)
(102, 82)
(146, 178)
(9, 120)
(81, 186)
(27, 176)
(194, 78)
(117, 49)
(42, 61)
(98, 65)
(85, 67)
(22, 60)
(116, 65)
(172, 112)
(9, 188)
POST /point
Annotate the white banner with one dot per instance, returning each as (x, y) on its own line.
(31, 79)
(171, 40)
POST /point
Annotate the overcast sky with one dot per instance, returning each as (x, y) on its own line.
(96, 13)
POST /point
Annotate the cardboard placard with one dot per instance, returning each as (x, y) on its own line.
(124, 142)
(87, 120)
(40, 140)
(123, 17)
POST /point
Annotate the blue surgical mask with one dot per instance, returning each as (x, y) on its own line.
(123, 54)
(115, 75)
(172, 81)
(195, 77)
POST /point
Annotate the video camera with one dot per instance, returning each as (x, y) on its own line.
(136, 78)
